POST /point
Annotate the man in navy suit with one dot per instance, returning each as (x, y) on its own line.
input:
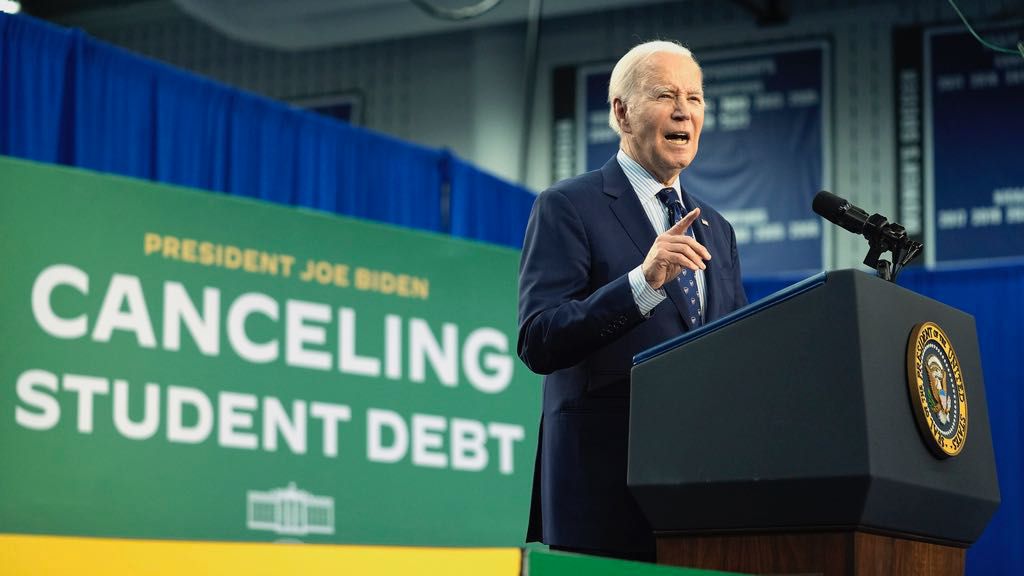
(610, 267)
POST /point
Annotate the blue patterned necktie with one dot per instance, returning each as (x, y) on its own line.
(687, 278)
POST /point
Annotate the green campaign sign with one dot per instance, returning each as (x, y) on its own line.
(182, 365)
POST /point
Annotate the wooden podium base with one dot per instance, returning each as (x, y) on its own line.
(841, 553)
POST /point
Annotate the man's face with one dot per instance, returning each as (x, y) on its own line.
(661, 125)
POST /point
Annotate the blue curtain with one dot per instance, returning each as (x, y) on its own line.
(67, 98)
(487, 208)
(995, 297)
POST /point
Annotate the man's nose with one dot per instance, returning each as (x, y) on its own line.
(681, 111)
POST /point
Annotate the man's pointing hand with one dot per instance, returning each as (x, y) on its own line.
(673, 251)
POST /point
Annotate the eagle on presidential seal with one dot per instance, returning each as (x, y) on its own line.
(937, 387)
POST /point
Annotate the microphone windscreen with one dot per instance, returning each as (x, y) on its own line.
(828, 205)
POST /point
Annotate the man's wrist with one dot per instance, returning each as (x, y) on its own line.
(646, 298)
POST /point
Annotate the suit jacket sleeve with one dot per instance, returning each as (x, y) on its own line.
(565, 313)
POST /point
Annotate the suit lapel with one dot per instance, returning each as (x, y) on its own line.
(627, 209)
(626, 206)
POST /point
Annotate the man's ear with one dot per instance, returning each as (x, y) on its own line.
(620, 116)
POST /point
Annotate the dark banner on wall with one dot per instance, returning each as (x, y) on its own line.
(974, 118)
(764, 150)
(346, 106)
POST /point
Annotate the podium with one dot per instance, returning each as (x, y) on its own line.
(783, 439)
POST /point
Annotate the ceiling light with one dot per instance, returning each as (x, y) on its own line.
(10, 6)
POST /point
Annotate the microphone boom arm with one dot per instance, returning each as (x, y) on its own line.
(885, 237)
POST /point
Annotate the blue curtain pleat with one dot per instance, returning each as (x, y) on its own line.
(114, 126)
(36, 88)
(485, 207)
(193, 110)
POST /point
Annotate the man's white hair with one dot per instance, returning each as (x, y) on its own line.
(631, 72)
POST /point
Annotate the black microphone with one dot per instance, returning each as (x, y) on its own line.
(837, 210)
(882, 235)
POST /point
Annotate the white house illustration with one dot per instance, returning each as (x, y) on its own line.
(290, 511)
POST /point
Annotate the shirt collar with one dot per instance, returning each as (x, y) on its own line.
(645, 185)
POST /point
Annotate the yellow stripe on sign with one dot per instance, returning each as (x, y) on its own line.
(25, 555)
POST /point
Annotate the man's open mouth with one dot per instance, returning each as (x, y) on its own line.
(681, 137)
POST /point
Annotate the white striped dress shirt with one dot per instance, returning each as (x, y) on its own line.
(647, 188)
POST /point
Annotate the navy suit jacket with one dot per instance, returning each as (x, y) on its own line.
(580, 326)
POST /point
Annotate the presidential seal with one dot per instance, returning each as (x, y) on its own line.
(937, 394)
